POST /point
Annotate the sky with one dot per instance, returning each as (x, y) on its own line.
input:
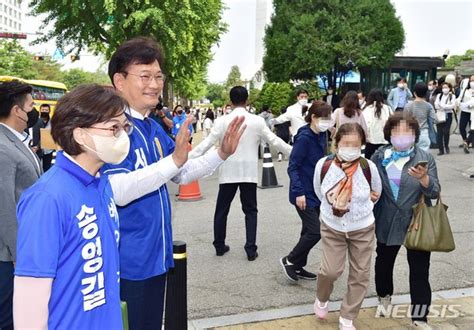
(431, 27)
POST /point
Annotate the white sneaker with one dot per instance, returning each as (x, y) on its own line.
(421, 325)
(321, 309)
(345, 324)
(384, 304)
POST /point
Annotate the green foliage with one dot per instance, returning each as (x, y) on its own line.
(276, 96)
(254, 94)
(455, 60)
(215, 93)
(309, 37)
(15, 61)
(186, 29)
(76, 77)
(234, 78)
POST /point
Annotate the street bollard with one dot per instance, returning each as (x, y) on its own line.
(176, 309)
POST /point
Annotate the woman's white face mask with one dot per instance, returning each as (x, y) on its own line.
(110, 149)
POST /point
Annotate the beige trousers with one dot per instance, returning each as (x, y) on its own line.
(359, 245)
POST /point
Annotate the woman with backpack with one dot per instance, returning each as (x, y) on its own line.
(444, 105)
(347, 185)
(376, 114)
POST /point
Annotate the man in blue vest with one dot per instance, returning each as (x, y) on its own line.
(146, 242)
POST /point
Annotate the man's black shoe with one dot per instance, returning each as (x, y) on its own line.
(288, 270)
(223, 251)
(440, 153)
(447, 150)
(301, 273)
(252, 258)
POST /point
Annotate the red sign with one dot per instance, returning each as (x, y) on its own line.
(11, 35)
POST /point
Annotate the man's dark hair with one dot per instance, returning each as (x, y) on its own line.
(83, 107)
(400, 79)
(12, 93)
(45, 105)
(139, 50)
(350, 128)
(301, 91)
(318, 108)
(238, 95)
(265, 108)
(420, 89)
(395, 120)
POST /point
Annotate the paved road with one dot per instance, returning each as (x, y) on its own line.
(232, 285)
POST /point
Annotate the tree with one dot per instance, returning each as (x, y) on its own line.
(234, 78)
(16, 61)
(276, 96)
(309, 37)
(186, 29)
(76, 77)
(215, 93)
(455, 60)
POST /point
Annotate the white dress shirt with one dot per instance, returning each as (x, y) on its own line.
(242, 166)
(294, 116)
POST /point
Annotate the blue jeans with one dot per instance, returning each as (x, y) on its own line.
(424, 140)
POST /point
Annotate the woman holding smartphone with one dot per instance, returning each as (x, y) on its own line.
(407, 173)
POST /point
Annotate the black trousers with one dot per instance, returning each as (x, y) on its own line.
(464, 121)
(248, 198)
(419, 267)
(443, 132)
(310, 236)
(6, 295)
(145, 301)
(370, 149)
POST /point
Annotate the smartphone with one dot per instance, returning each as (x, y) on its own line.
(422, 163)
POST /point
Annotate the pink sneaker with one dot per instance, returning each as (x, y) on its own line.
(345, 324)
(321, 309)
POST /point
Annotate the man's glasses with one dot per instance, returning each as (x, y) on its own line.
(118, 128)
(147, 78)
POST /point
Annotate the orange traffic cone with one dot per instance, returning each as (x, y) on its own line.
(190, 192)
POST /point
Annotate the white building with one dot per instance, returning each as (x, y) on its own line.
(10, 16)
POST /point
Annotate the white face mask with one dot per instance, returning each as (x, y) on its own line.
(430, 87)
(445, 90)
(110, 149)
(303, 101)
(323, 125)
(400, 85)
(348, 154)
(471, 84)
(330, 92)
(228, 110)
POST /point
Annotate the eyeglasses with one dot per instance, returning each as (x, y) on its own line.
(118, 128)
(147, 78)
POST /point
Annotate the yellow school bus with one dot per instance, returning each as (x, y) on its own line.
(44, 91)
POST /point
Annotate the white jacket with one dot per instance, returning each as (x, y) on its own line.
(294, 116)
(465, 101)
(375, 124)
(242, 166)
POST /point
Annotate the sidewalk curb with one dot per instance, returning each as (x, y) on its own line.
(302, 310)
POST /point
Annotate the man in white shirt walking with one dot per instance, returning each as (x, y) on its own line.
(294, 113)
(239, 171)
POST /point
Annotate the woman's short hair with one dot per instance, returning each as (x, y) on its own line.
(318, 108)
(350, 128)
(83, 107)
(395, 120)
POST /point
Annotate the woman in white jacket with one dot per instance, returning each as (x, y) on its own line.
(444, 105)
(465, 102)
(375, 114)
(347, 186)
